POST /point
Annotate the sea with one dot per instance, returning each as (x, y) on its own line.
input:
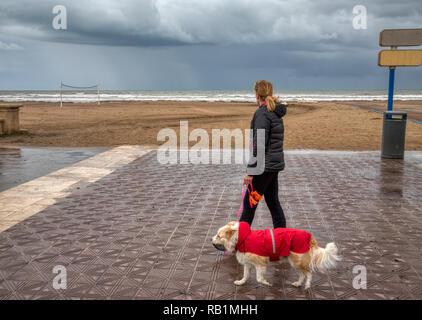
(210, 96)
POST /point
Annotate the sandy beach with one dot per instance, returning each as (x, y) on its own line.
(317, 125)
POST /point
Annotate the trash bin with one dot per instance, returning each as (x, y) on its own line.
(393, 134)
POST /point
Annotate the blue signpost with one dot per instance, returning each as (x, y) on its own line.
(394, 128)
(394, 38)
(391, 88)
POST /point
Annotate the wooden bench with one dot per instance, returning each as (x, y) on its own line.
(9, 118)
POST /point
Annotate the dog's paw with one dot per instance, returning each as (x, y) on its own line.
(307, 286)
(239, 282)
(297, 284)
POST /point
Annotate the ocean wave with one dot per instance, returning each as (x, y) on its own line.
(217, 96)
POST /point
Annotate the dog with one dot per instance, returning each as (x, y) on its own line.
(256, 248)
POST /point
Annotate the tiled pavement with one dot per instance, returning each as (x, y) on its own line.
(144, 232)
(27, 199)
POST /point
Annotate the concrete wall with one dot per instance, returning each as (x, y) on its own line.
(10, 117)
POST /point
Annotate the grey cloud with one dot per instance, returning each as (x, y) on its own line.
(9, 46)
(192, 44)
(176, 22)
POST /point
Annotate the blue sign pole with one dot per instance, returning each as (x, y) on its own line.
(391, 88)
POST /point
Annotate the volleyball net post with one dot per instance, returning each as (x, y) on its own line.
(61, 94)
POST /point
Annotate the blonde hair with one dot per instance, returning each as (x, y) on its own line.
(264, 90)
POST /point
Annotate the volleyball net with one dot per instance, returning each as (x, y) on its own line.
(64, 86)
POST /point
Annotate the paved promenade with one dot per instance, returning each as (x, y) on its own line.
(126, 227)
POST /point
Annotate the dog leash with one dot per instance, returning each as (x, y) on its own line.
(241, 207)
(243, 197)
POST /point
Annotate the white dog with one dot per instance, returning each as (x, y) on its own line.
(255, 248)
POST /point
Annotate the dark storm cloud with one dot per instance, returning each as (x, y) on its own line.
(88, 22)
(213, 44)
(175, 22)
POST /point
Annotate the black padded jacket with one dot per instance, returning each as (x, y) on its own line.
(272, 123)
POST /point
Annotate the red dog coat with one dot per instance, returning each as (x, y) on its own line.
(272, 243)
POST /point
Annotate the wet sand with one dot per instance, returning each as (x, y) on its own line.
(320, 125)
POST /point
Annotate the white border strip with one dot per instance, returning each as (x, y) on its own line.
(25, 200)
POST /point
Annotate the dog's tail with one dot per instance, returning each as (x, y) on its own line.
(323, 259)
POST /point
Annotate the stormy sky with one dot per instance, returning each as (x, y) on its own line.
(201, 45)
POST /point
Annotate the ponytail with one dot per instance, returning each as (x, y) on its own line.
(270, 101)
(265, 91)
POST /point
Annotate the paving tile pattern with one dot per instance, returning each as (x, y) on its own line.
(19, 203)
(144, 232)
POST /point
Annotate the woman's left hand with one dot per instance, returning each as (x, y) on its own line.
(247, 180)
